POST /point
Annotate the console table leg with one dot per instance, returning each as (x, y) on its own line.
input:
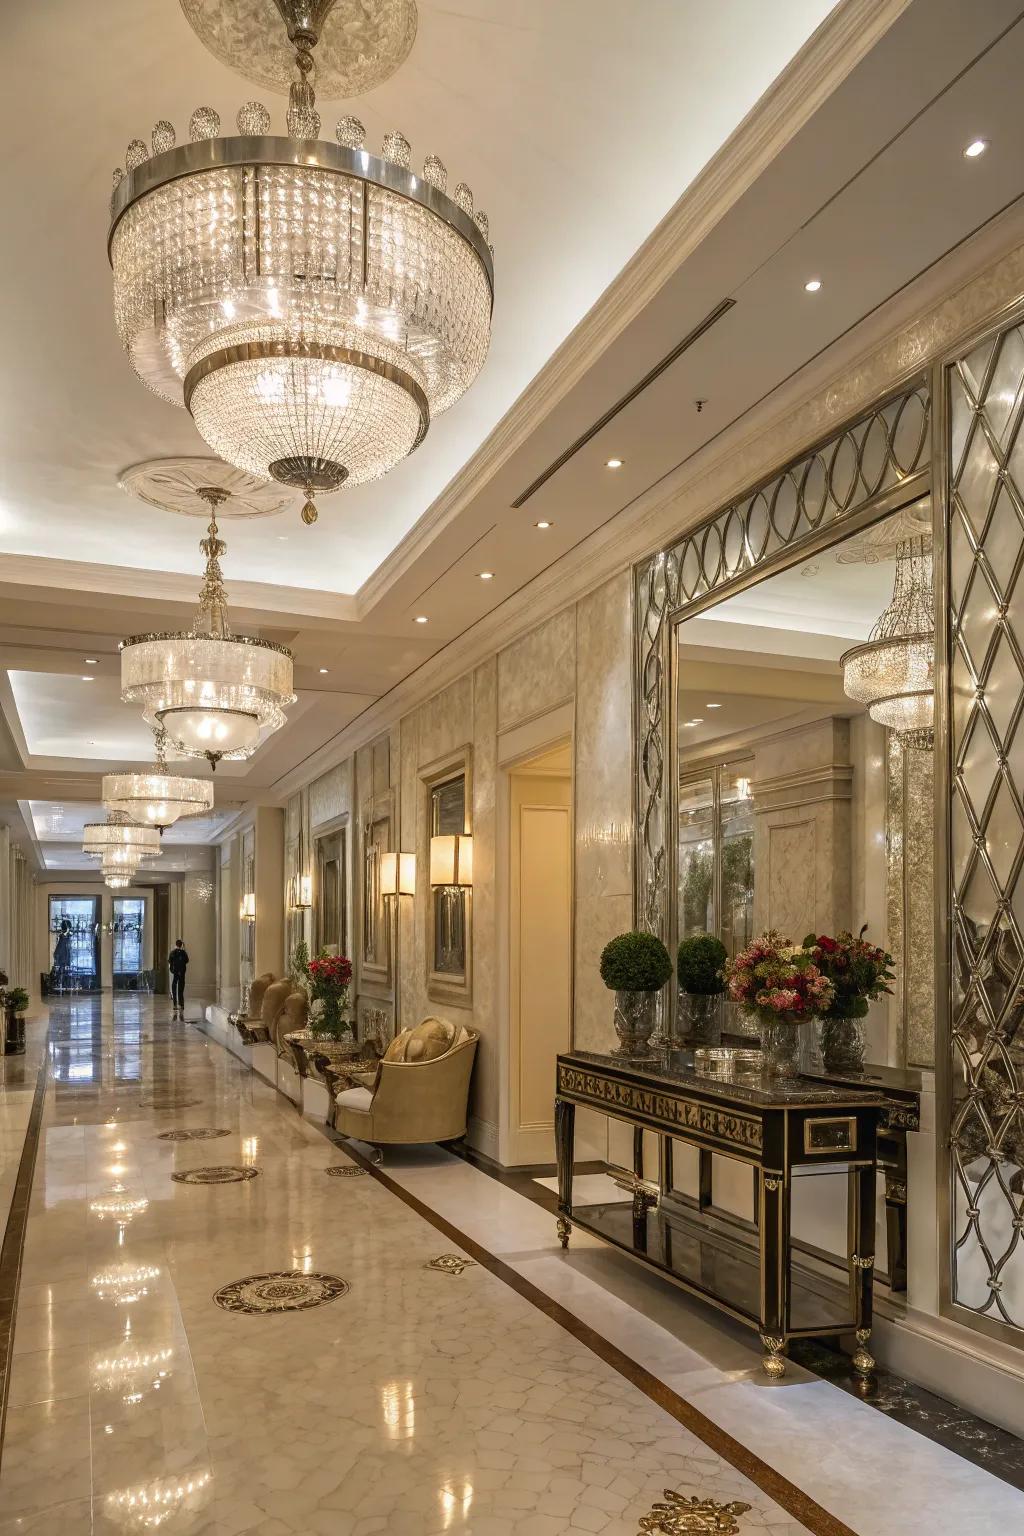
(774, 1240)
(862, 1262)
(565, 1124)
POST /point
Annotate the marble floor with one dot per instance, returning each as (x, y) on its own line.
(152, 1388)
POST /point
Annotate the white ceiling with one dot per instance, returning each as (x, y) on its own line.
(55, 821)
(578, 125)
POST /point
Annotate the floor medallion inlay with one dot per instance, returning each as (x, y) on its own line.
(345, 1171)
(682, 1516)
(450, 1263)
(288, 1290)
(222, 1173)
(200, 1133)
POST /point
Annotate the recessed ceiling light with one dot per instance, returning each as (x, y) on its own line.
(87, 679)
(712, 706)
(613, 463)
(323, 671)
(486, 575)
(813, 285)
(421, 618)
(283, 538)
(975, 148)
(543, 523)
(90, 661)
(697, 720)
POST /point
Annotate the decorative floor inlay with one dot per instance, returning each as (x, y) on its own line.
(201, 1133)
(450, 1263)
(345, 1171)
(223, 1173)
(682, 1516)
(287, 1290)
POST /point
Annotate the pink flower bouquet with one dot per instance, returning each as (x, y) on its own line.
(777, 981)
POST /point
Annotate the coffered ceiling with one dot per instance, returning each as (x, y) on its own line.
(580, 125)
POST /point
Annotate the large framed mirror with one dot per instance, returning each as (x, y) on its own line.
(330, 908)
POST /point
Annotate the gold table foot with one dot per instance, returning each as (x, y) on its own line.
(863, 1360)
(773, 1364)
(564, 1226)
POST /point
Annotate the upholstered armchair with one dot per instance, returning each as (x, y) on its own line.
(251, 1018)
(274, 998)
(293, 1015)
(418, 1091)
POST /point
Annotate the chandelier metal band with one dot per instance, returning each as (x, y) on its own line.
(191, 634)
(307, 154)
(259, 351)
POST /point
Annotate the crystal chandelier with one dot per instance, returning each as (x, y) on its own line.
(310, 304)
(215, 693)
(120, 841)
(157, 799)
(893, 671)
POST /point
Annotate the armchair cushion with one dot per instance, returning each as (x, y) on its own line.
(292, 1017)
(257, 992)
(358, 1099)
(424, 1042)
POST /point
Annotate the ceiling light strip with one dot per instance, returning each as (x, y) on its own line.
(710, 319)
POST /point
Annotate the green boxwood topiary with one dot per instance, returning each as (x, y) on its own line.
(699, 964)
(635, 962)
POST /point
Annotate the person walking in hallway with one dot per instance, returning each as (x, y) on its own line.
(177, 964)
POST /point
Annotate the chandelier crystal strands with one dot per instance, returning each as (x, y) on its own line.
(310, 304)
(893, 672)
(157, 799)
(215, 693)
(119, 840)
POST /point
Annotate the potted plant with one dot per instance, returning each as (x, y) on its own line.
(298, 964)
(700, 972)
(859, 972)
(776, 982)
(329, 978)
(15, 1001)
(635, 966)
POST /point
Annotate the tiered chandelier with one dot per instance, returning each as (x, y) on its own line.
(215, 693)
(157, 799)
(893, 671)
(310, 304)
(120, 845)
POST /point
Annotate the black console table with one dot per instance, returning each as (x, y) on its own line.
(779, 1127)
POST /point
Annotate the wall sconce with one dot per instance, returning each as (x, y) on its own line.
(451, 859)
(301, 894)
(247, 910)
(398, 874)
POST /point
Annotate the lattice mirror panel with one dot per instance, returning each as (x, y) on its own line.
(986, 597)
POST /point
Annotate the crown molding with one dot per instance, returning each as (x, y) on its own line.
(830, 54)
(897, 341)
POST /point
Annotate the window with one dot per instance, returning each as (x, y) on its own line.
(716, 854)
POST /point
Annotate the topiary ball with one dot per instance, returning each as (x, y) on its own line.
(635, 962)
(699, 964)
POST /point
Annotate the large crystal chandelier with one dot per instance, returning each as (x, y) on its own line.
(310, 304)
(893, 671)
(215, 693)
(157, 799)
(120, 841)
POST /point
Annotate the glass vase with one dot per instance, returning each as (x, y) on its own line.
(636, 1014)
(699, 1018)
(842, 1045)
(780, 1048)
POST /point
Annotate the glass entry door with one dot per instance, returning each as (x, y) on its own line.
(74, 943)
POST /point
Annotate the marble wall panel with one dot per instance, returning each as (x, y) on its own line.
(603, 800)
(331, 794)
(446, 720)
(538, 671)
(486, 1085)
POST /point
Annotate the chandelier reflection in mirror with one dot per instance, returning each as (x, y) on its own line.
(157, 799)
(310, 304)
(217, 694)
(893, 672)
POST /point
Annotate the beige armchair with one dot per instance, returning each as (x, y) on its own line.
(246, 1022)
(421, 1089)
(293, 1015)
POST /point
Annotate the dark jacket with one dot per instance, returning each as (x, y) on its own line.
(177, 961)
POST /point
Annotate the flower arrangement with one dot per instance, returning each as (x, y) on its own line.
(859, 972)
(777, 981)
(329, 978)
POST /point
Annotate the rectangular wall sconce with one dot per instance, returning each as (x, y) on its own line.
(398, 874)
(451, 859)
(302, 893)
(248, 907)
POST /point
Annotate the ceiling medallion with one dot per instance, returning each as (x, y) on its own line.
(217, 694)
(289, 1290)
(223, 1174)
(681, 1516)
(311, 305)
(156, 799)
(449, 1263)
(893, 671)
(361, 45)
(173, 485)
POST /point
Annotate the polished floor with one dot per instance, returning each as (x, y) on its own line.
(413, 1400)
